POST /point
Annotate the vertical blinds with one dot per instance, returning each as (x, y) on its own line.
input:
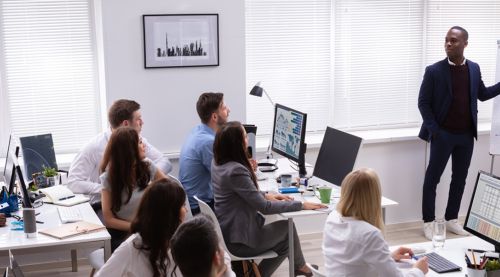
(50, 70)
(288, 49)
(361, 62)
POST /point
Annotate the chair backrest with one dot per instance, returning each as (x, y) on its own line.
(316, 272)
(189, 214)
(206, 210)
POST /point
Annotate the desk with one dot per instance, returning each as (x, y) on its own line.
(17, 242)
(453, 250)
(271, 185)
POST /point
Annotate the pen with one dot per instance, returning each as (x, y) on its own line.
(467, 260)
(68, 197)
(474, 258)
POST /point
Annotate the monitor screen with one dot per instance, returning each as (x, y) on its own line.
(19, 175)
(289, 132)
(337, 156)
(38, 151)
(483, 217)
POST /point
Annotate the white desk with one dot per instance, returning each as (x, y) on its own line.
(454, 250)
(17, 242)
(272, 185)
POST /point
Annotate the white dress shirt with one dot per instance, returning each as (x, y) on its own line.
(356, 248)
(84, 170)
(129, 261)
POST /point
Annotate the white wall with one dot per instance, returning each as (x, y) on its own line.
(168, 95)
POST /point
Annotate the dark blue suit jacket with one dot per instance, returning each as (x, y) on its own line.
(435, 96)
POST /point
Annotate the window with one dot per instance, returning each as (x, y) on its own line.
(49, 71)
(358, 64)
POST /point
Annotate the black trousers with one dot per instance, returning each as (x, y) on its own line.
(460, 148)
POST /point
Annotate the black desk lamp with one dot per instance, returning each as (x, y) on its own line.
(257, 90)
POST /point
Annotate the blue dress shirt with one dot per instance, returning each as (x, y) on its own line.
(194, 164)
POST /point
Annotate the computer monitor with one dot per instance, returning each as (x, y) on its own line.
(337, 156)
(289, 132)
(18, 174)
(483, 216)
(38, 151)
(9, 169)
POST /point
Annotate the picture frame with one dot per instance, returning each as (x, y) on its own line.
(180, 40)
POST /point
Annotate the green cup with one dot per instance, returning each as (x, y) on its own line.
(324, 194)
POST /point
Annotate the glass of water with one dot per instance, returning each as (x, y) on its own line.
(439, 233)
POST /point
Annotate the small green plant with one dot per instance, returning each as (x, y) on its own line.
(492, 265)
(49, 171)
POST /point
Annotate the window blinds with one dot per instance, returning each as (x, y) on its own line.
(50, 71)
(288, 50)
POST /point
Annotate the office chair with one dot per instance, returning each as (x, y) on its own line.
(206, 210)
(189, 214)
(316, 272)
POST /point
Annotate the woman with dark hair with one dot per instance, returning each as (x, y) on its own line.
(126, 173)
(146, 251)
(238, 202)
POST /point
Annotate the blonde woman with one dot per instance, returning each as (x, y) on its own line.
(353, 243)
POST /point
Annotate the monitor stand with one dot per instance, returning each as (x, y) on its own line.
(267, 162)
(302, 162)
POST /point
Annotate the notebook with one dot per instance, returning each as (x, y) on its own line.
(61, 195)
(72, 229)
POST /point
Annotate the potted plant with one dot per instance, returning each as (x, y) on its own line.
(50, 175)
(492, 268)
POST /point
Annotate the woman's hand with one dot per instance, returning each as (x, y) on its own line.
(402, 253)
(313, 206)
(422, 264)
(278, 197)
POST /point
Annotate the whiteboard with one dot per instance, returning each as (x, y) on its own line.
(495, 118)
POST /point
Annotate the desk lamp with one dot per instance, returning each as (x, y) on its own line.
(257, 90)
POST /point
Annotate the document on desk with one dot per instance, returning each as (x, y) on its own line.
(61, 195)
(72, 229)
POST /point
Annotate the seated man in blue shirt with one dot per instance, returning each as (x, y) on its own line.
(197, 152)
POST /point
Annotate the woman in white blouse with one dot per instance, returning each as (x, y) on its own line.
(147, 251)
(353, 243)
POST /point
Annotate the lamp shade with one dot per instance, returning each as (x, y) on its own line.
(257, 90)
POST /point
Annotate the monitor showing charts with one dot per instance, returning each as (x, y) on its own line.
(337, 156)
(289, 132)
(483, 216)
(38, 151)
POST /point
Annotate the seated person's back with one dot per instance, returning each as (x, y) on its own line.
(196, 153)
(353, 244)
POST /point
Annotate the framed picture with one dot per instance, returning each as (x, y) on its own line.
(180, 40)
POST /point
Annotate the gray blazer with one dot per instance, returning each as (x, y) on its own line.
(237, 203)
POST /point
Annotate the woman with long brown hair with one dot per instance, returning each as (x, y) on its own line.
(126, 173)
(146, 251)
(238, 202)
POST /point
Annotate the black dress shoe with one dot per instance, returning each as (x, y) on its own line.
(299, 272)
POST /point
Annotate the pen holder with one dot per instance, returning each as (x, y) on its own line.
(472, 272)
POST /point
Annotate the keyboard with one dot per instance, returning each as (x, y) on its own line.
(69, 214)
(440, 264)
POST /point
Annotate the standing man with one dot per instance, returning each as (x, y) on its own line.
(84, 170)
(197, 152)
(448, 104)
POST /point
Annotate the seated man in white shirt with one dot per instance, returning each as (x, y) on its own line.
(84, 171)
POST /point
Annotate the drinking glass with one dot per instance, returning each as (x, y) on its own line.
(439, 233)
